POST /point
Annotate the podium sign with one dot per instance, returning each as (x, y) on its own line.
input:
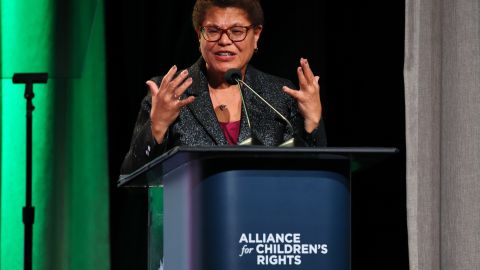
(251, 208)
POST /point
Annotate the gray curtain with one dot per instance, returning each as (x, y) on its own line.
(442, 95)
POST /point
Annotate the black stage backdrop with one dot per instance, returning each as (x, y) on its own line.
(356, 47)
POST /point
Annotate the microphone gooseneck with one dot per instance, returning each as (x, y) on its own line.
(234, 76)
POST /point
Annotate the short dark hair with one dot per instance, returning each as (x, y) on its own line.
(251, 7)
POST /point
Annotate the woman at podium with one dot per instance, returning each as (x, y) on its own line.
(222, 99)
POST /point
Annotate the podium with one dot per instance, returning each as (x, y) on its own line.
(240, 208)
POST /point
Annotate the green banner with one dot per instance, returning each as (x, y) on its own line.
(70, 168)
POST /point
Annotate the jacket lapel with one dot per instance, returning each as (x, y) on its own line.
(255, 109)
(202, 107)
(245, 130)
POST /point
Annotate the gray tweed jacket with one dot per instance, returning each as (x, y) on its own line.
(197, 124)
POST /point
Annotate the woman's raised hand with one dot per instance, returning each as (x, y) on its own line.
(166, 101)
(308, 97)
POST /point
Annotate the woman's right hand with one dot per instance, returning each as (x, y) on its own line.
(166, 102)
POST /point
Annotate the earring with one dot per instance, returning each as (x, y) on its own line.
(255, 50)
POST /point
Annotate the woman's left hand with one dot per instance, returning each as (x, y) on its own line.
(308, 97)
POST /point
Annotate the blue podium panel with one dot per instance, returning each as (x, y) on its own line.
(258, 219)
(251, 207)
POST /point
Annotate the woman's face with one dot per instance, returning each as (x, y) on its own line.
(225, 54)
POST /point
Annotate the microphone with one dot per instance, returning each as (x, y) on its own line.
(234, 76)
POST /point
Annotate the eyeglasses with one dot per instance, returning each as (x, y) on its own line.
(234, 33)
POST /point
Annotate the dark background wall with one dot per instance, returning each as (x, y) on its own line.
(357, 49)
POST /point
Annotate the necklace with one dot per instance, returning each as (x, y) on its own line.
(230, 109)
(222, 106)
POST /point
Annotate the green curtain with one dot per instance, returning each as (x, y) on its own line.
(70, 169)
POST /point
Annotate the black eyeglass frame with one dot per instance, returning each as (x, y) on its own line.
(226, 31)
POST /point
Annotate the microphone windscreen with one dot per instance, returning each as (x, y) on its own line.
(232, 75)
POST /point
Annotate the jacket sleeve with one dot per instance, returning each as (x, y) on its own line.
(143, 146)
(318, 137)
